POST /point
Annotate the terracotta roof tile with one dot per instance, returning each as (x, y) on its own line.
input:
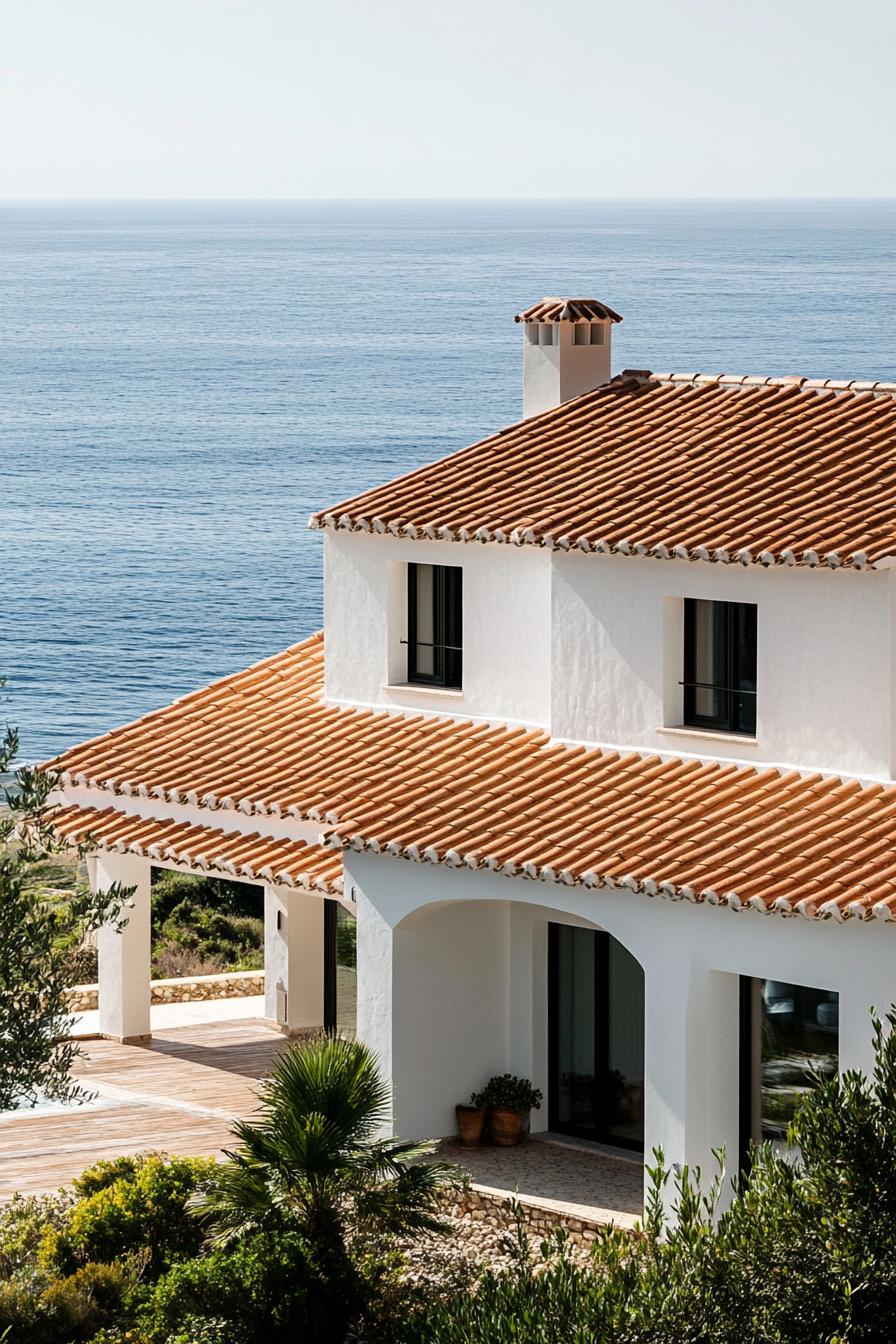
(726, 468)
(232, 853)
(508, 799)
(568, 310)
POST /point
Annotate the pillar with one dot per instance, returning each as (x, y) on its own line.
(374, 1028)
(124, 955)
(293, 958)
(691, 1059)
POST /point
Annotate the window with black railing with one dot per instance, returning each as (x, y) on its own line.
(720, 665)
(435, 625)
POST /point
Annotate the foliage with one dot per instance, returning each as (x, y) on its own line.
(37, 939)
(75, 1262)
(73, 1308)
(804, 1254)
(311, 1165)
(506, 1092)
(263, 1284)
(130, 1206)
(203, 925)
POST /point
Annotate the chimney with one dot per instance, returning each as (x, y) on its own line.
(566, 351)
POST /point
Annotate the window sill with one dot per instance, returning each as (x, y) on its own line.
(414, 688)
(707, 734)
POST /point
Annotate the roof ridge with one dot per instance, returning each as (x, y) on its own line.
(880, 387)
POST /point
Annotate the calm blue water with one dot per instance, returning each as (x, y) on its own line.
(183, 384)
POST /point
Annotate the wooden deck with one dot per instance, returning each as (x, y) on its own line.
(177, 1093)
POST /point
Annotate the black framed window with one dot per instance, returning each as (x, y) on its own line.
(435, 625)
(789, 1042)
(720, 665)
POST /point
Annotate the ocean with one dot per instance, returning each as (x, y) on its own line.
(184, 383)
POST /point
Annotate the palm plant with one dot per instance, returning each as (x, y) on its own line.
(311, 1162)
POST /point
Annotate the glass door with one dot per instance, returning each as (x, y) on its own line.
(596, 1000)
(340, 970)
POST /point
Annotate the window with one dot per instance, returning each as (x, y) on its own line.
(435, 628)
(789, 1041)
(720, 665)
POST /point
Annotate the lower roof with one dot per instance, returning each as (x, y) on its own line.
(224, 853)
(510, 800)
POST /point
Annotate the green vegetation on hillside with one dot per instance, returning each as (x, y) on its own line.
(203, 925)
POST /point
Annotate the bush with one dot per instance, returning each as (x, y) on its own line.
(75, 1307)
(263, 1286)
(24, 1224)
(130, 1206)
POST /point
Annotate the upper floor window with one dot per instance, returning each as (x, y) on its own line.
(720, 665)
(435, 625)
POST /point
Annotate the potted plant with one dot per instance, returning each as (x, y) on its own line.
(470, 1120)
(507, 1101)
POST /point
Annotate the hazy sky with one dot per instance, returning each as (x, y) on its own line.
(294, 98)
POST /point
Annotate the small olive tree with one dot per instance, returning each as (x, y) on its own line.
(37, 940)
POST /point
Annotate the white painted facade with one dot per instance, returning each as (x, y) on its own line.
(590, 647)
(507, 598)
(826, 659)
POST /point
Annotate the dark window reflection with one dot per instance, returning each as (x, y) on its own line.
(790, 1043)
(346, 973)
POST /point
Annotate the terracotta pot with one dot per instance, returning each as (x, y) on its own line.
(470, 1120)
(507, 1128)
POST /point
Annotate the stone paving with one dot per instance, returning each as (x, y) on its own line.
(568, 1178)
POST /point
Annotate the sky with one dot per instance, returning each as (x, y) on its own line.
(446, 98)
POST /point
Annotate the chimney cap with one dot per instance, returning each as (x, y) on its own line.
(568, 310)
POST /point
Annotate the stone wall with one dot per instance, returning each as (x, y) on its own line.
(495, 1214)
(230, 985)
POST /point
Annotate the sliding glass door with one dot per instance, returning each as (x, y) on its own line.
(596, 1010)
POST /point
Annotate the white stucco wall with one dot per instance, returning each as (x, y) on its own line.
(825, 659)
(506, 616)
(452, 987)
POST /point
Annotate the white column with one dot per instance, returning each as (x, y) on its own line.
(375, 951)
(691, 1058)
(124, 956)
(293, 958)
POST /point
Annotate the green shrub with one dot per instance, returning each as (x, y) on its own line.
(263, 1285)
(204, 1330)
(130, 1206)
(75, 1307)
(24, 1224)
(508, 1093)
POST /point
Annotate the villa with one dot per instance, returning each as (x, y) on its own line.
(597, 746)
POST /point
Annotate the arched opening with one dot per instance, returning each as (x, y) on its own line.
(595, 1037)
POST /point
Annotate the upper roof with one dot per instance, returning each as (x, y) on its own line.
(510, 800)
(568, 310)
(698, 466)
